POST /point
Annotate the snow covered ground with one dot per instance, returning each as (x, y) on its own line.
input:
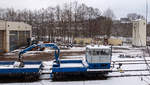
(109, 81)
(132, 80)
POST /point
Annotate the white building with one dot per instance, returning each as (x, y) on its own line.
(139, 33)
(13, 35)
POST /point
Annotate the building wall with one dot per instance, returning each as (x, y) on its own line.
(139, 33)
(2, 25)
(1, 39)
(19, 26)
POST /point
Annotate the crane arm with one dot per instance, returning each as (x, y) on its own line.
(57, 50)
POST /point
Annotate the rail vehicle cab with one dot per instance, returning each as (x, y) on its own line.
(98, 56)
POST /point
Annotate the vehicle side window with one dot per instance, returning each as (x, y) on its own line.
(104, 52)
(107, 52)
(90, 52)
(94, 52)
(98, 53)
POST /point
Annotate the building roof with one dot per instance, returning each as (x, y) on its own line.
(10, 25)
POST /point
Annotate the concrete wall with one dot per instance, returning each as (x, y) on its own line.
(19, 26)
(139, 33)
(2, 25)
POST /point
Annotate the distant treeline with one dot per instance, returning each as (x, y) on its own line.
(70, 20)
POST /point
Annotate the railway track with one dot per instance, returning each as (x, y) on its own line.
(129, 63)
(129, 70)
(124, 70)
(129, 75)
(46, 69)
(47, 76)
(129, 60)
(45, 73)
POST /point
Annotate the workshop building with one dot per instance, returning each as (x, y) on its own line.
(13, 35)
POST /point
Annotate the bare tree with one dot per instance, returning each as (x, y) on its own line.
(109, 13)
(108, 22)
(71, 20)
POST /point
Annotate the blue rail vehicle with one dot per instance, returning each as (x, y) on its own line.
(97, 61)
(25, 68)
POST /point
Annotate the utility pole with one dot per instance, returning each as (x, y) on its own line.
(70, 34)
(146, 15)
(146, 10)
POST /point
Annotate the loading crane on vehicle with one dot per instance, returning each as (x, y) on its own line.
(97, 61)
(21, 67)
(56, 54)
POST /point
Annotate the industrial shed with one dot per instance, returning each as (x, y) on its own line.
(139, 33)
(13, 35)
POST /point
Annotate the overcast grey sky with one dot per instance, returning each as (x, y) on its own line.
(120, 7)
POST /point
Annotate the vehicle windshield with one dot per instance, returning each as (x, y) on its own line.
(99, 52)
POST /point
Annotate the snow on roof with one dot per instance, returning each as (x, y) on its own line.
(98, 47)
